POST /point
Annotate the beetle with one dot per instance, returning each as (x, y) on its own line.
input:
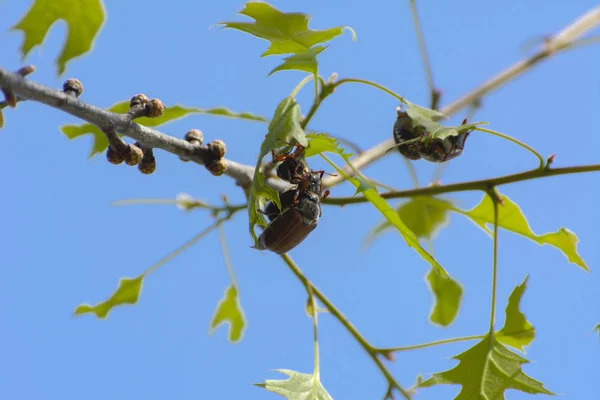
(442, 150)
(299, 216)
(404, 131)
(293, 165)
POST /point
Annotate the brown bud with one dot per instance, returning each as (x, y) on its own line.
(147, 166)
(388, 355)
(217, 167)
(217, 148)
(113, 157)
(26, 70)
(133, 155)
(73, 87)
(194, 136)
(155, 108)
(138, 100)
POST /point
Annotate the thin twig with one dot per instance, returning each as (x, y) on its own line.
(560, 41)
(483, 184)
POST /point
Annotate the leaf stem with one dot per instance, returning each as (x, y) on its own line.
(518, 142)
(483, 184)
(431, 344)
(370, 83)
(301, 84)
(494, 196)
(226, 256)
(371, 351)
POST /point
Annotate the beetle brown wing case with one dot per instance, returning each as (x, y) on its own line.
(285, 232)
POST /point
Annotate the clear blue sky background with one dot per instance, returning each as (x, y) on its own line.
(61, 242)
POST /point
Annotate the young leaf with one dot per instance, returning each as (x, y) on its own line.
(288, 34)
(297, 387)
(517, 331)
(127, 293)
(321, 143)
(425, 216)
(83, 18)
(511, 218)
(229, 310)
(305, 61)
(428, 118)
(362, 186)
(486, 371)
(284, 126)
(448, 294)
(171, 113)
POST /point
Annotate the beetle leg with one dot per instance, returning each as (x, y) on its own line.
(325, 194)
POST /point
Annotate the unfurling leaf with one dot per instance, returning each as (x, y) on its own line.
(448, 294)
(486, 371)
(288, 34)
(517, 331)
(369, 192)
(284, 127)
(229, 310)
(511, 218)
(83, 18)
(127, 293)
(171, 113)
(297, 387)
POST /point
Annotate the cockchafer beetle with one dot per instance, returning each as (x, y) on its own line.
(301, 210)
(293, 165)
(442, 150)
(404, 131)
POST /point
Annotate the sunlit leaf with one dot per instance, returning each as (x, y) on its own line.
(486, 371)
(297, 387)
(448, 294)
(428, 118)
(284, 127)
(425, 216)
(369, 192)
(306, 61)
(517, 331)
(83, 18)
(511, 218)
(171, 113)
(320, 143)
(127, 293)
(229, 310)
(288, 33)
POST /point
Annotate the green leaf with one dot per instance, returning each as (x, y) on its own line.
(305, 61)
(511, 218)
(288, 34)
(229, 310)
(517, 331)
(597, 329)
(128, 292)
(83, 18)
(486, 371)
(369, 192)
(284, 126)
(427, 118)
(323, 143)
(448, 294)
(171, 113)
(297, 387)
(425, 216)
(1, 119)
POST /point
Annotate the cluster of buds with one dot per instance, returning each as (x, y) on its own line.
(134, 154)
(212, 154)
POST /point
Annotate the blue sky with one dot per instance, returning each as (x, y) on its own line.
(61, 241)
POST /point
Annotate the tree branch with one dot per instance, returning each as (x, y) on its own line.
(560, 41)
(121, 123)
